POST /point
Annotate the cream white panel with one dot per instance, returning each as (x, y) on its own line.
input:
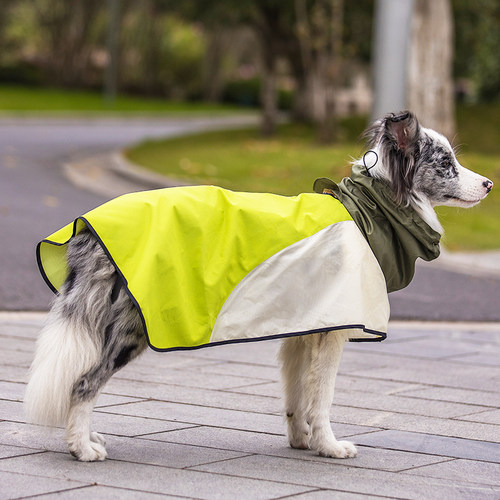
(326, 281)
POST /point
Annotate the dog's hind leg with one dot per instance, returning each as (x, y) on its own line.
(92, 331)
(325, 354)
(293, 362)
(124, 339)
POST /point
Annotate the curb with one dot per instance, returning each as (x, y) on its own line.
(112, 175)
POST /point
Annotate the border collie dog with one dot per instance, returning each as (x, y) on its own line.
(94, 327)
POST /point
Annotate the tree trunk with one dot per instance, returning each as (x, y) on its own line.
(268, 94)
(319, 34)
(327, 131)
(430, 80)
(212, 64)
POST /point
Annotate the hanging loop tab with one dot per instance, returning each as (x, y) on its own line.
(371, 166)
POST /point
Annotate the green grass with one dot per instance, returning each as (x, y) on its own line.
(289, 163)
(242, 160)
(19, 100)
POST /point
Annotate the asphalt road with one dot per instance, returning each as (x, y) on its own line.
(36, 199)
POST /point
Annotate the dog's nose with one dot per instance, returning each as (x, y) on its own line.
(488, 185)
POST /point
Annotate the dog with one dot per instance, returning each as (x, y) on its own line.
(94, 328)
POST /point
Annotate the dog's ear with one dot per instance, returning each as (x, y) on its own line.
(399, 144)
(403, 131)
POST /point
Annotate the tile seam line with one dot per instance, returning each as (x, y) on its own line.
(428, 454)
(425, 386)
(66, 490)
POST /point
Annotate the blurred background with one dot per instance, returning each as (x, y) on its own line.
(313, 58)
(325, 67)
(257, 95)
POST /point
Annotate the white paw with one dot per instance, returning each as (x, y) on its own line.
(300, 443)
(95, 437)
(338, 449)
(88, 452)
(299, 433)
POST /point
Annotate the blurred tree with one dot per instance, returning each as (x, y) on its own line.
(112, 38)
(68, 31)
(477, 40)
(430, 65)
(319, 33)
(161, 54)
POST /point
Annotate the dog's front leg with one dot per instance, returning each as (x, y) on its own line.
(293, 356)
(326, 352)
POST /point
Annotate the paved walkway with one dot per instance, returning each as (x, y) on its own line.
(423, 408)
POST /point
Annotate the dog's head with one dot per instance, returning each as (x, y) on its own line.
(421, 166)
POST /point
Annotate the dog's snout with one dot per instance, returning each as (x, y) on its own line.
(488, 185)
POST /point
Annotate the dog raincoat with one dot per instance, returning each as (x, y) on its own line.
(207, 266)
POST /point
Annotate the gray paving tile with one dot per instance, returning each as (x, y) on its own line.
(400, 404)
(13, 373)
(432, 444)
(32, 437)
(17, 358)
(474, 397)
(358, 357)
(416, 423)
(20, 331)
(440, 419)
(16, 485)
(175, 360)
(149, 478)
(175, 455)
(179, 377)
(253, 353)
(127, 425)
(482, 473)
(264, 444)
(255, 372)
(104, 493)
(325, 494)
(192, 414)
(487, 417)
(13, 391)
(348, 478)
(17, 344)
(113, 399)
(247, 441)
(12, 410)
(195, 395)
(428, 348)
(261, 388)
(226, 439)
(436, 372)
(375, 386)
(7, 451)
(482, 358)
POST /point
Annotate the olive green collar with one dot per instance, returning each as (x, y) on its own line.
(396, 233)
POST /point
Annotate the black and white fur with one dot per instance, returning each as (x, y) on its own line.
(93, 329)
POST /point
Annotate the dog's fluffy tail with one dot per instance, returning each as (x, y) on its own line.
(65, 351)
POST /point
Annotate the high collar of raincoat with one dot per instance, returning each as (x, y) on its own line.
(396, 233)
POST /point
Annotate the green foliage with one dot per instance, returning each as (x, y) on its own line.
(477, 39)
(247, 93)
(163, 55)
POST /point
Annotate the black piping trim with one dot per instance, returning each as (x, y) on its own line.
(377, 336)
(39, 263)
